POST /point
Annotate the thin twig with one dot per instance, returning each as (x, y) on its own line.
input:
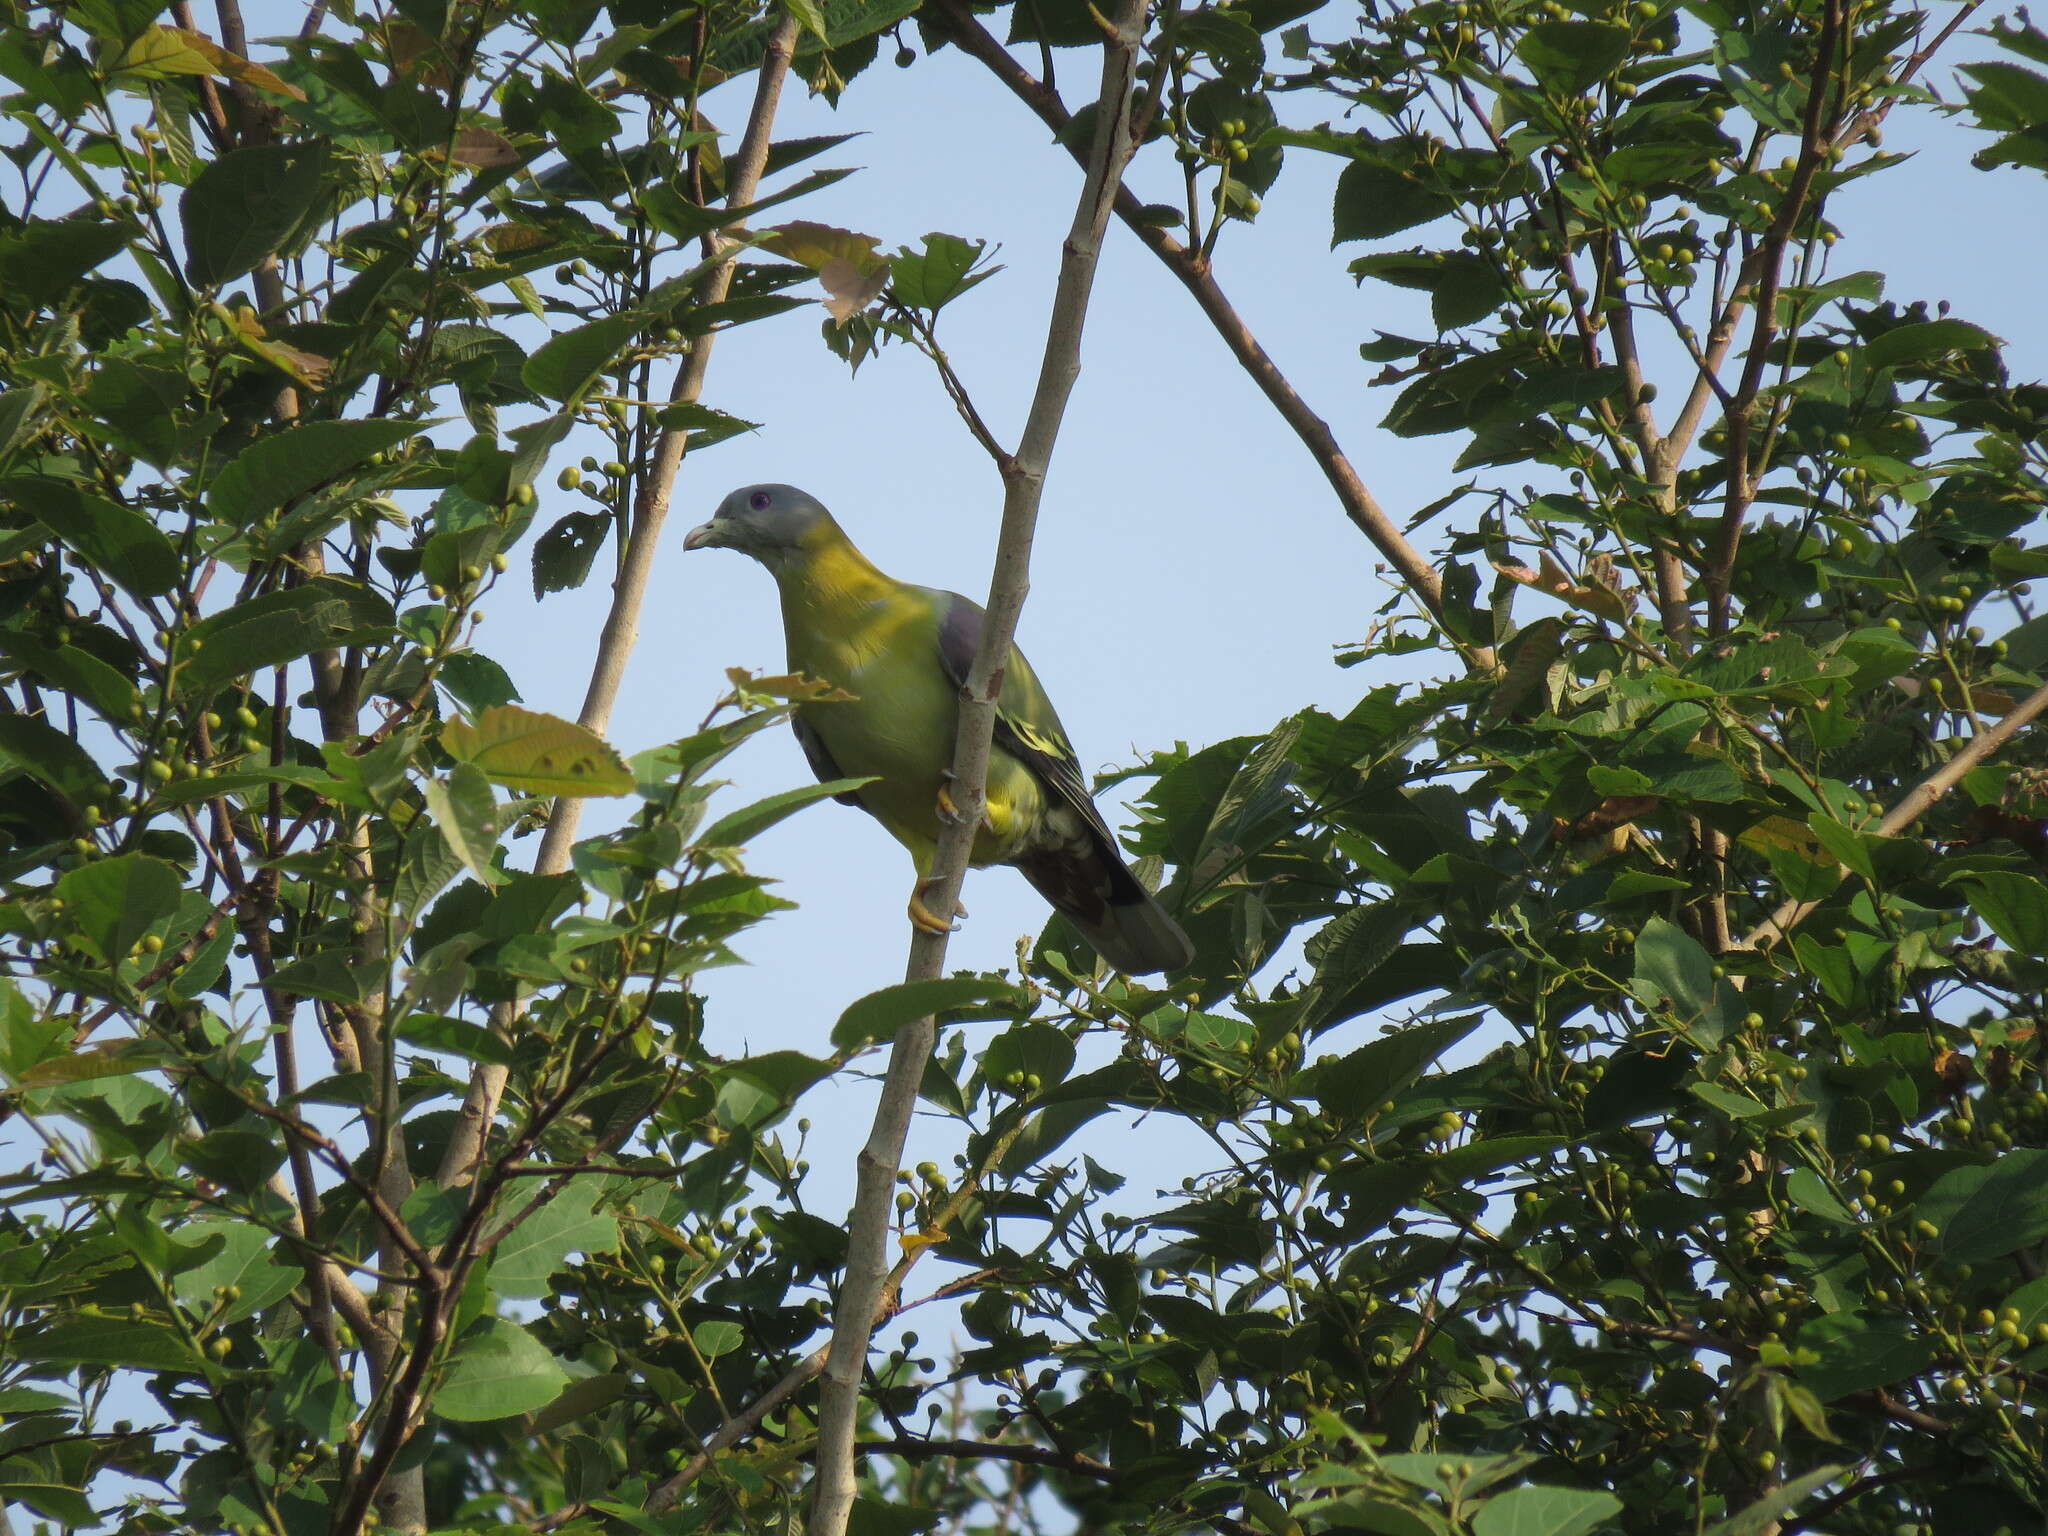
(1197, 276)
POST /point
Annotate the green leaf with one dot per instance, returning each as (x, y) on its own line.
(30, 744)
(566, 366)
(2014, 905)
(1533, 1511)
(246, 205)
(1376, 199)
(707, 427)
(42, 260)
(115, 901)
(1382, 1067)
(1765, 1513)
(1926, 340)
(1858, 1353)
(434, 1214)
(562, 555)
(73, 671)
(749, 822)
(1672, 966)
(1382, 1516)
(325, 613)
(1807, 1190)
(752, 1090)
(466, 811)
(717, 1338)
(810, 15)
(476, 682)
(538, 1246)
(1569, 56)
(1989, 1210)
(878, 1016)
(282, 466)
(456, 1037)
(523, 749)
(122, 545)
(1041, 1050)
(938, 274)
(92, 1339)
(497, 1370)
(244, 1259)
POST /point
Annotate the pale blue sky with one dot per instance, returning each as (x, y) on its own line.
(1193, 571)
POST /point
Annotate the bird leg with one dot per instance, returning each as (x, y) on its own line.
(948, 811)
(921, 916)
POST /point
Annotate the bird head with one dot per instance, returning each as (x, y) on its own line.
(769, 522)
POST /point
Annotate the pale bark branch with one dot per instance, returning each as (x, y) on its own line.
(1914, 804)
(862, 1288)
(1198, 277)
(636, 569)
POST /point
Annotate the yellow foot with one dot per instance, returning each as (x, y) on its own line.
(949, 813)
(921, 915)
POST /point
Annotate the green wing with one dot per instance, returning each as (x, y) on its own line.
(1026, 726)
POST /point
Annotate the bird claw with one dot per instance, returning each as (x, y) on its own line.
(950, 813)
(922, 917)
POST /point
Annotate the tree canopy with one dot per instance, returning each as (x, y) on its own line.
(367, 1163)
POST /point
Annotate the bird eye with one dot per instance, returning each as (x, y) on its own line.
(759, 501)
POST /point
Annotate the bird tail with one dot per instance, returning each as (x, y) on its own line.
(1111, 910)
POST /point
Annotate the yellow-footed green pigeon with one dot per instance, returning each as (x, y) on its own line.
(903, 652)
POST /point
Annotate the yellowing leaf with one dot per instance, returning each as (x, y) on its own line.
(1600, 599)
(307, 368)
(793, 686)
(523, 749)
(847, 290)
(483, 147)
(510, 239)
(1781, 832)
(914, 1242)
(162, 52)
(813, 245)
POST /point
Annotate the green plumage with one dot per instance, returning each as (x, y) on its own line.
(902, 651)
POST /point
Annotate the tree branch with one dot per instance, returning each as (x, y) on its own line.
(861, 1288)
(629, 589)
(1197, 276)
(1911, 807)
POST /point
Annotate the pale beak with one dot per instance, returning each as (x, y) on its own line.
(704, 535)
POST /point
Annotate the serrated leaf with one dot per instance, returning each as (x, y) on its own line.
(323, 614)
(246, 203)
(1381, 1067)
(123, 545)
(1375, 199)
(90, 1339)
(282, 466)
(523, 749)
(538, 1246)
(707, 427)
(244, 1260)
(562, 555)
(1924, 341)
(566, 366)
